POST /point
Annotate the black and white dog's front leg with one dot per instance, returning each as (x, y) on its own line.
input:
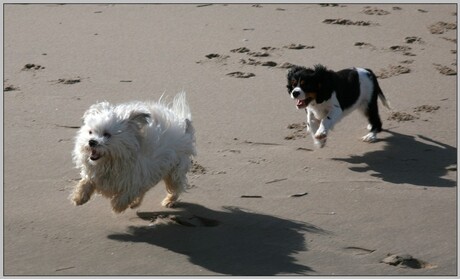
(313, 125)
(327, 123)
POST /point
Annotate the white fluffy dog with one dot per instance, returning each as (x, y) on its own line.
(124, 150)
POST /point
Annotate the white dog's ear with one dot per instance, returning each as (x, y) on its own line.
(140, 118)
(97, 109)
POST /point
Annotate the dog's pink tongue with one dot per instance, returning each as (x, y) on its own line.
(94, 155)
(300, 103)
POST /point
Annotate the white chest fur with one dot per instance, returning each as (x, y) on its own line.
(322, 110)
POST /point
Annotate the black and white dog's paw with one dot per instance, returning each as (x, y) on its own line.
(371, 137)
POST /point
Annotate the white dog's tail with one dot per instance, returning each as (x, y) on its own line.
(180, 106)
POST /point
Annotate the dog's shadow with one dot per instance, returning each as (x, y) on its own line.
(406, 159)
(230, 242)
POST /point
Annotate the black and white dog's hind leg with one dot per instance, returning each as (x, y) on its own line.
(372, 110)
(375, 124)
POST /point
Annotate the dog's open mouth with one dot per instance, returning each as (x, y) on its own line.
(94, 155)
(303, 103)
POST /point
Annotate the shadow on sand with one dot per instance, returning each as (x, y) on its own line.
(236, 242)
(407, 159)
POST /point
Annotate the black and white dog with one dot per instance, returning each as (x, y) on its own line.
(328, 96)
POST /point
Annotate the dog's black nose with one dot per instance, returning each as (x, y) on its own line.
(295, 94)
(92, 143)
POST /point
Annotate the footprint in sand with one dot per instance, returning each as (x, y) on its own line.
(214, 57)
(406, 260)
(374, 11)
(452, 40)
(259, 54)
(298, 46)
(445, 70)
(409, 61)
(404, 49)
(268, 48)
(30, 66)
(286, 65)
(254, 62)
(241, 75)
(218, 56)
(69, 81)
(414, 39)
(365, 45)
(404, 116)
(197, 168)
(400, 48)
(441, 27)
(341, 21)
(426, 108)
(240, 50)
(331, 5)
(401, 116)
(10, 88)
(392, 71)
(250, 61)
(299, 131)
(269, 64)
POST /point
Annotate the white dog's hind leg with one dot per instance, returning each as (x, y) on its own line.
(122, 201)
(174, 188)
(176, 181)
(138, 200)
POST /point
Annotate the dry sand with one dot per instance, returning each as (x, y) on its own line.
(264, 200)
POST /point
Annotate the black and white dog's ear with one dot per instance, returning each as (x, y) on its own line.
(324, 84)
(97, 109)
(140, 118)
(294, 69)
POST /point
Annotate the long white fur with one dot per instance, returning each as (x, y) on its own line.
(149, 142)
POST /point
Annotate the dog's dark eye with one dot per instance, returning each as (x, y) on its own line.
(107, 135)
(90, 132)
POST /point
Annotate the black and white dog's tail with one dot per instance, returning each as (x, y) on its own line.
(378, 91)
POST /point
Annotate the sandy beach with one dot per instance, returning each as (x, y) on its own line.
(263, 199)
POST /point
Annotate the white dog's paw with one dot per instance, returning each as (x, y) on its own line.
(371, 137)
(369, 127)
(169, 202)
(80, 197)
(135, 204)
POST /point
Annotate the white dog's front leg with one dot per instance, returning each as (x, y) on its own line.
(83, 191)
